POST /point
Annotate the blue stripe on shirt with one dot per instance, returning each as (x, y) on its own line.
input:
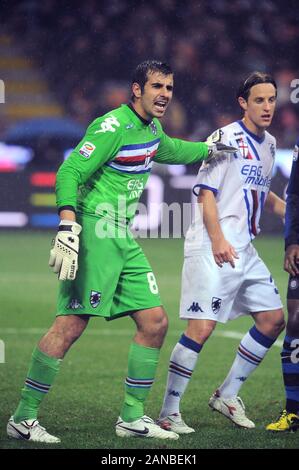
(248, 211)
(139, 146)
(253, 148)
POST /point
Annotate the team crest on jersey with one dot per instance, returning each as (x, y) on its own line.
(153, 128)
(216, 304)
(95, 298)
(87, 149)
(243, 147)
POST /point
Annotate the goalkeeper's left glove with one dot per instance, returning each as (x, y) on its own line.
(219, 150)
(65, 248)
(216, 149)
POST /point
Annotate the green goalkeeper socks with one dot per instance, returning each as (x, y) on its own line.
(142, 367)
(41, 375)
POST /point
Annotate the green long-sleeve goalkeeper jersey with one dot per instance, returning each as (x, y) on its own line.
(108, 170)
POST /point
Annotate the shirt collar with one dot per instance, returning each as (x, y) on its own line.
(258, 139)
(144, 121)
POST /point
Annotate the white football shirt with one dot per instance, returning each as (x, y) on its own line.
(240, 184)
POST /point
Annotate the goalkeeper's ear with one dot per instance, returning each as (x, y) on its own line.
(214, 137)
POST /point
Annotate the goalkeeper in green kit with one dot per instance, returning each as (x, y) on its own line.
(102, 270)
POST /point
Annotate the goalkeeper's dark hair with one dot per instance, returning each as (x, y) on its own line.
(142, 70)
(255, 78)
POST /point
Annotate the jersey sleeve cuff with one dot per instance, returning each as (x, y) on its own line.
(66, 208)
(203, 186)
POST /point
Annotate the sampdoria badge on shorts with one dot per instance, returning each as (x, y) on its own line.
(216, 304)
(95, 298)
(87, 149)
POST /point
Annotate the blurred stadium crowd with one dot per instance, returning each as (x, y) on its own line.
(88, 51)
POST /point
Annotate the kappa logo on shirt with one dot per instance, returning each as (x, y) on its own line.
(107, 125)
(87, 149)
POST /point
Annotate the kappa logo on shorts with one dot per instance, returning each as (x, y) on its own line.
(216, 304)
(74, 304)
(194, 307)
(95, 298)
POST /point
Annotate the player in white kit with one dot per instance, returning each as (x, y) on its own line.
(223, 276)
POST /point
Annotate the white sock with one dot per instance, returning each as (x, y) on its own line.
(182, 363)
(251, 352)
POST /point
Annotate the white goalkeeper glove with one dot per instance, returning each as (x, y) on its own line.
(219, 150)
(216, 148)
(64, 252)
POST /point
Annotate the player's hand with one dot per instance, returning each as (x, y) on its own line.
(224, 252)
(291, 260)
(219, 150)
(65, 248)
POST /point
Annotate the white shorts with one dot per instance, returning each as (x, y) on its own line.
(222, 294)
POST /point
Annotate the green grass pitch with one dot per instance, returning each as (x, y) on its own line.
(85, 400)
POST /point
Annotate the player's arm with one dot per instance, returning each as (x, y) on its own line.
(98, 146)
(275, 205)
(291, 260)
(176, 151)
(223, 251)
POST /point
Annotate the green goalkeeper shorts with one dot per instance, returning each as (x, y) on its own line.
(114, 277)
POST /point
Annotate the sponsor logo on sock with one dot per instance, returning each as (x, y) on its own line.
(242, 379)
(174, 393)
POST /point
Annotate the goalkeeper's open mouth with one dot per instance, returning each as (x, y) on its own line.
(161, 105)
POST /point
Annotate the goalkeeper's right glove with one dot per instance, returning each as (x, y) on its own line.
(65, 248)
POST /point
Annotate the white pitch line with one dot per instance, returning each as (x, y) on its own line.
(125, 332)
